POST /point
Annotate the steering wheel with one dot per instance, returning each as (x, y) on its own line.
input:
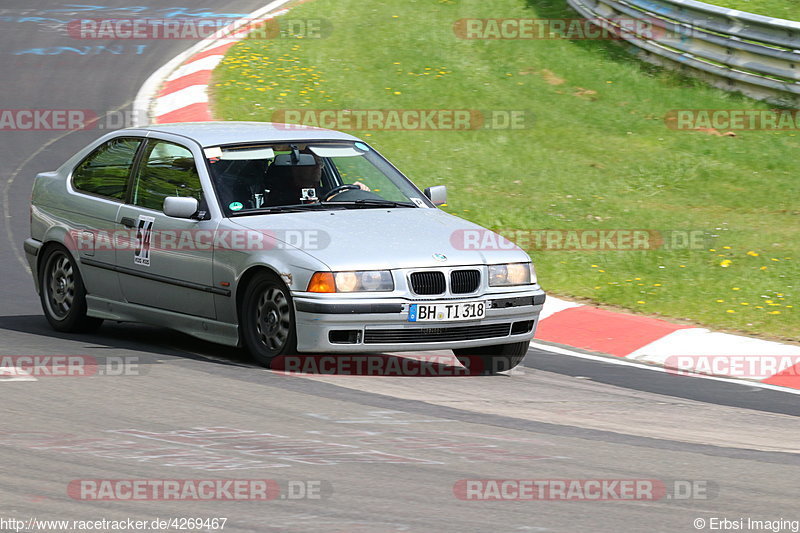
(341, 188)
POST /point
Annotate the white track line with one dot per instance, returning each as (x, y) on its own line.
(205, 63)
(196, 94)
(14, 374)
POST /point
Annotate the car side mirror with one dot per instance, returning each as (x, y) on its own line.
(437, 194)
(180, 207)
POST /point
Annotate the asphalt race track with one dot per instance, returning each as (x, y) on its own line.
(370, 453)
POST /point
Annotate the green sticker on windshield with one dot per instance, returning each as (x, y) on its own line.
(236, 206)
(362, 146)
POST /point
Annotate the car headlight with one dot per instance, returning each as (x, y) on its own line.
(360, 281)
(511, 274)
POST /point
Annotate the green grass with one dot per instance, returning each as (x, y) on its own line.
(785, 9)
(598, 156)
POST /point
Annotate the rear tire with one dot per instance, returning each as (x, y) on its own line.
(267, 319)
(63, 294)
(487, 360)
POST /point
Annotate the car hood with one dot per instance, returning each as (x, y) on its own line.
(364, 239)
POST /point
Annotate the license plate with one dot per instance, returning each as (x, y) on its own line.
(446, 312)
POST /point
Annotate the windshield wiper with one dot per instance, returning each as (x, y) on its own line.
(368, 202)
(281, 209)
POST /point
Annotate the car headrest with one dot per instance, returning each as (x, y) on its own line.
(278, 174)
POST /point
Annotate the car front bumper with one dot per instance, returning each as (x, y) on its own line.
(368, 325)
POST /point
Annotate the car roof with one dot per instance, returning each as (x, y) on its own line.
(209, 134)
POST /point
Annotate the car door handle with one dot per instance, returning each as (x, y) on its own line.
(128, 222)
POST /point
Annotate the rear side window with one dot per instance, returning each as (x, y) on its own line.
(105, 172)
(167, 169)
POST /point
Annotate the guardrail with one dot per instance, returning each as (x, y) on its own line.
(756, 55)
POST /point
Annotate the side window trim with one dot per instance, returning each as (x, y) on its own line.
(140, 140)
(137, 161)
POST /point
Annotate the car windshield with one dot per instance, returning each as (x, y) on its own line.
(263, 178)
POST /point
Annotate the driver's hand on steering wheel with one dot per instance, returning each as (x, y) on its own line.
(347, 186)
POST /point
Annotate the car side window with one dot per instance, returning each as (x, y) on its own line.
(167, 169)
(106, 171)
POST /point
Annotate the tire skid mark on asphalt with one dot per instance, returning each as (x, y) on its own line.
(217, 449)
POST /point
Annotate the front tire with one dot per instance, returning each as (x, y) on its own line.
(487, 360)
(267, 318)
(63, 294)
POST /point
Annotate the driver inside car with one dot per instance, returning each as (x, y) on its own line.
(295, 183)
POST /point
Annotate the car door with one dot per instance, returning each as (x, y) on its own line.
(99, 187)
(168, 262)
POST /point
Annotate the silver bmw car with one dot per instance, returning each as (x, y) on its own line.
(283, 239)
